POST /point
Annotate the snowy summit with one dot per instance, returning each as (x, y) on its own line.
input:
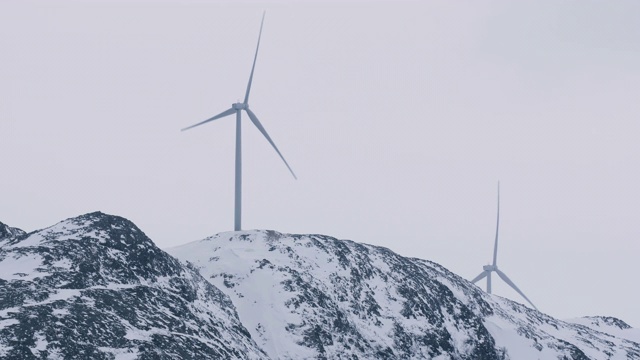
(96, 287)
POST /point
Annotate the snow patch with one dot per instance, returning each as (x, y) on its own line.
(21, 267)
(8, 322)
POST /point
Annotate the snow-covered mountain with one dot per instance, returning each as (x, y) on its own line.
(609, 325)
(95, 287)
(313, 296)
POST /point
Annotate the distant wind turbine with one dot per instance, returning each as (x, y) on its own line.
(237, 109)
(488, 269)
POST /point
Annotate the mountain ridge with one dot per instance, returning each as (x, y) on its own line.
(95, 286)
(7, 232)
(421, 309)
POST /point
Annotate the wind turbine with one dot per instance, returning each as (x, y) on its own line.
(488, 269)
(237, 108)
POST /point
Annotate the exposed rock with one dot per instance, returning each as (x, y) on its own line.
(95, 287)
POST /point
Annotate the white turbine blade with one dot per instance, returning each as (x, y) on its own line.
(257, 123)
(480, 277)
(255, 57)
(508, 281)
(495, 247)
(221, 115)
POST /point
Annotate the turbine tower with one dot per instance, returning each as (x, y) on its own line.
(488, 269)
(237, 109)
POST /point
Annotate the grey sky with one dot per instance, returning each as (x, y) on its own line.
(399, 118)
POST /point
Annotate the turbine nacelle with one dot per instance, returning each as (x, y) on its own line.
(490, 268)
(240, 106)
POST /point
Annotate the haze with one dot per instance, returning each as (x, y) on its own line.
(399, 119)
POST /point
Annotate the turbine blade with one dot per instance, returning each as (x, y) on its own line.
(514, 287)
(480, 277)
(257, 123)
(255, 57)
(495, 247)
(221, 115)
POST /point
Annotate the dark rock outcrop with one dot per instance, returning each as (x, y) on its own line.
(96, 287)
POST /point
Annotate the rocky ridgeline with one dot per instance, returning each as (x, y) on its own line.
(337, 299)
(95, 287)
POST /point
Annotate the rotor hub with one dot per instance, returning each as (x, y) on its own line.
(240, 106)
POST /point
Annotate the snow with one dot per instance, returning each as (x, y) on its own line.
(121, 354)
(60, 312)
(277, 281)
(63, 264)
(516, 346)
(41, 344)
(262, 315)
(59, 294)
(252, 268)
(32, 240)
(206, 315)
(631, 334)
(21, 267)
(231, 264)
(8, 322)
(61, 231)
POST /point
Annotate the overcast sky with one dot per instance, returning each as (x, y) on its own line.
(399, 119)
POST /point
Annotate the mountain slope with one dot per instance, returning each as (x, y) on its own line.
(313, 296)
(609, 325)
(95, 287)
(7, 232)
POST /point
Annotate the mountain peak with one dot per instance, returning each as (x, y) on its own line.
(108, 230)
(100, 289)
(331, 298)
(315, 296)
(95, 286)
(609, 321)
(7, 232)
